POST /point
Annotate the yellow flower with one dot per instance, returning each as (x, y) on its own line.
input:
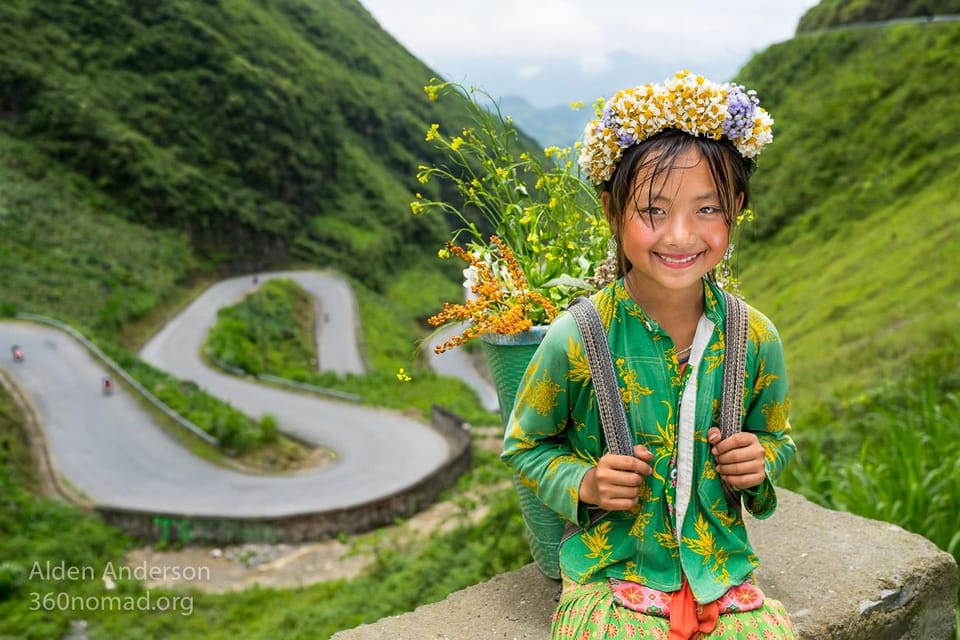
(416, 207)
(433, 91)
(402, 376)
(576, 106)
(502, 173)
(433, 132)
(456, 143)
(443, 253)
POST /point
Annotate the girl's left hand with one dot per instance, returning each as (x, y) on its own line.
(740, 458)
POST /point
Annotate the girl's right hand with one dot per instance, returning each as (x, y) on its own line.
(614, 484)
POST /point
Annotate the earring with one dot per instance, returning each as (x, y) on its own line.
(612, 246)
(722, 273)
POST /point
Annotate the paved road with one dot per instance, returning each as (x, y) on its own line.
(457, 364)
(110, 449)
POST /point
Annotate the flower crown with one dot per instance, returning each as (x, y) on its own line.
(685, 102)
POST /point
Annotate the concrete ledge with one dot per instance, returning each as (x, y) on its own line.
(840, 576)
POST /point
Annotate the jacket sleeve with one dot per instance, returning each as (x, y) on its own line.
(766, 410)
(535, 443)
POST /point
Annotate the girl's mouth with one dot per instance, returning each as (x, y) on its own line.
(677, 261)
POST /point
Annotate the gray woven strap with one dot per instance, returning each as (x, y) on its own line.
(612, 416)
(734, 371)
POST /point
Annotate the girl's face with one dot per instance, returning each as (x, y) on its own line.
(673, 230)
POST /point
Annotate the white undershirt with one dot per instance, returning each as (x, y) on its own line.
(687, 422)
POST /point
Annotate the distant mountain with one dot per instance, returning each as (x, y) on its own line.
(834, 13)
(558, 126)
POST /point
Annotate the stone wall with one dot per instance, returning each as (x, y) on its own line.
(173, 527)
(840, 576)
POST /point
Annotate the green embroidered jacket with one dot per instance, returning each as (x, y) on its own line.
(554, 436)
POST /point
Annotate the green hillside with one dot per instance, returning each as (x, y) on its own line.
(856, 244)
(265, 131)
(837, 13)
(146, 148)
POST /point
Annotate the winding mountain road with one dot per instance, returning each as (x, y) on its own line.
(111, 450)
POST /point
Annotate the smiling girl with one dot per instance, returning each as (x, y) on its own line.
(671, 557)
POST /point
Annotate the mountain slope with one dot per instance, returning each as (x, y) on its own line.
(268, 131)
(857, 201)
(835, 13)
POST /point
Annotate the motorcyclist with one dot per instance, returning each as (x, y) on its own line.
(17, 353)
(107, 385)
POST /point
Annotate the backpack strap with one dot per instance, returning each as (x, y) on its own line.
(736, 328)
(612, 416)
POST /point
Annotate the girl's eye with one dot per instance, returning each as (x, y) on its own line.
(709, 210)
(653, 211)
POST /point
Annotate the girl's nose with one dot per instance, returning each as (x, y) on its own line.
(679, 231)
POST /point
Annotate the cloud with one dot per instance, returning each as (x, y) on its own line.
(584, 28)
(592, 63)
(529, 71)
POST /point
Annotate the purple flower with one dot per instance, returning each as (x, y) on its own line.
(625, 139)
(741, 111)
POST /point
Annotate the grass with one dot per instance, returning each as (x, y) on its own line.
(271, 331)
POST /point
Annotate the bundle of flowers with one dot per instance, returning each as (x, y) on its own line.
(531, 230)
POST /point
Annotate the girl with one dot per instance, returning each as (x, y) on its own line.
(671, 558)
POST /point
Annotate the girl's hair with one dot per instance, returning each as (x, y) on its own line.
(659, 155)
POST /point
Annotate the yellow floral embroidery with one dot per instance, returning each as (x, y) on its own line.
(663, 444)
(776, 415)
(714, 358)
(579, 367)
(630, 573)
(640, 524)
(633, 390)
(559, 461)
(759, 328)
(527, 482)
(764, 379)
(597, 541)
(521, 440)
(541, 394)
(705, 544)
(709, 471)
(722, 513)
(668, 542)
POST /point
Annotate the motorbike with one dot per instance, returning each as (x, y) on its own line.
(17, 353)
(106, 386)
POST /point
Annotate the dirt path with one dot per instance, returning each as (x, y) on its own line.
(233, 568)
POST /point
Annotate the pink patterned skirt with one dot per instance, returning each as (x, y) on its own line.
(593, 611)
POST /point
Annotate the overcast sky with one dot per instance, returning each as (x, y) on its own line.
(557, 51)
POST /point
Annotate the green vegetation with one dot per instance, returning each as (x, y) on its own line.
(65, 251)
(265, 132)
(274, 325)
(837, 13)
(235, 432)
(403, 575)
(269, 331)
(856, 206)
(145, 148)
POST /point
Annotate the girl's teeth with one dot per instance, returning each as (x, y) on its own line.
(675, 261)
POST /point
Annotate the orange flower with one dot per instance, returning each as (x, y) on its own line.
(501, 302)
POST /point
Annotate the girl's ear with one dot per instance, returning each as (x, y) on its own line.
(605, 201)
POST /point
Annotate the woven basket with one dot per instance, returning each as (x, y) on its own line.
(508, 357)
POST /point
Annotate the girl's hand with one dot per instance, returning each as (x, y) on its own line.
(615, 482)
(740, 458)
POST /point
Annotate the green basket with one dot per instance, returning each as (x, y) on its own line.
(508, 357)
